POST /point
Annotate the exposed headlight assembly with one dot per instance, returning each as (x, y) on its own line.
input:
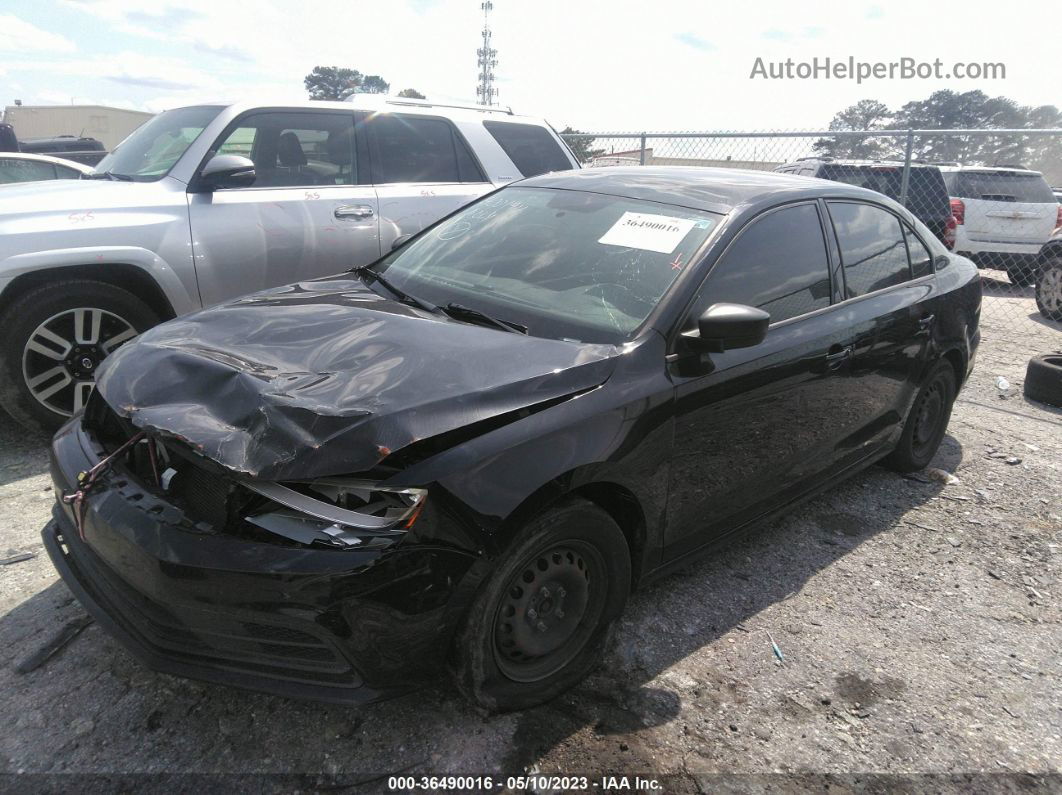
(340, 512)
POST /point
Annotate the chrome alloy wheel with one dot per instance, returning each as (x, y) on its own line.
(62, 355)
(1050, 289)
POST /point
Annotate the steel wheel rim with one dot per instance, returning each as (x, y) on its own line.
(928, 416)
(562, 589)
(1051, 289)
(60, 359)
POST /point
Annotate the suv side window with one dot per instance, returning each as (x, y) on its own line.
(420, 149)
(531, 148)
(872, 247)
(777, 263)
(294, 149)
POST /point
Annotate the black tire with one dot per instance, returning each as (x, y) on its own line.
(57, 304)
(1049, 290)
(573, 564)
(927, 422)
(1043, 379)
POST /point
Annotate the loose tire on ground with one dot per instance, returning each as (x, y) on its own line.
(1043, 379)
(927, 422)
(544, 617)
(86, 315)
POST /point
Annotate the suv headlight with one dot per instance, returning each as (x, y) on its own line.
(336, 511)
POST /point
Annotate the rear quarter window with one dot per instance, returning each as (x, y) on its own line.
(531, 148)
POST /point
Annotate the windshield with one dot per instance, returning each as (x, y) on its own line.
(152, 149)
(1003, 186)
(565, 264)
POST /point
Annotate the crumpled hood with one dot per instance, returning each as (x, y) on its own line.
(327, 378)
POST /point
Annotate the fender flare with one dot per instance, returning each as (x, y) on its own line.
(1050, 250)
(154, 266)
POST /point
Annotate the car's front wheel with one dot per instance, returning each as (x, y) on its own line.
(1049, 290)
(53, 339)
(927, 422)
(544, 617)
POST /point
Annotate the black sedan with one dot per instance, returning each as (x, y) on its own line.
(466, 455)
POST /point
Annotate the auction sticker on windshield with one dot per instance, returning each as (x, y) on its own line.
(661, 233)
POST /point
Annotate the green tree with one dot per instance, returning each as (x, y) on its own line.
(411, 93)
(374, 84)
(867, 114)
(581, 147)
(333, 83)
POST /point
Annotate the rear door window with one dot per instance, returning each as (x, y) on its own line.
(420, 149)
(1004, 186)
(873, 251)
(778, 263)
(531, 148)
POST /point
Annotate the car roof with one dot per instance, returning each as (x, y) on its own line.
(993, 170)
(59, 161)
(716, 190)
(838, 161)
(382, 103)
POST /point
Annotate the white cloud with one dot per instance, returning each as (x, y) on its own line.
(19, 36)
(679, 64)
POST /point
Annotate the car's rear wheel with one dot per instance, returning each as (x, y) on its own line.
(53, 339)
(544, 617)
(1049, 290)
(927, 422)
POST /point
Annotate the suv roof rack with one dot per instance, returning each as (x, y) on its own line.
(426, 103)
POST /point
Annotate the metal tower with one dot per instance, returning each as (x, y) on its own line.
(486, 93)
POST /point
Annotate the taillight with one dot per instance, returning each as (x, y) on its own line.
(1058, 218)
(958, 209)
(949, 233)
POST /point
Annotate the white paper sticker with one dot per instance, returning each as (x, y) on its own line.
(648, 232)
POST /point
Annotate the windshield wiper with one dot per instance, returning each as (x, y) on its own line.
(108, 175)
(460, 312)
(400, 294)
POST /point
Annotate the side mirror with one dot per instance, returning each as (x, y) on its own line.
(401, 240)
(226, 171)
(724, 327)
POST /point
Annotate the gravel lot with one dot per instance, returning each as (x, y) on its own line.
(919, 622)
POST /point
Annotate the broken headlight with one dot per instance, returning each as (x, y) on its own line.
(339, 512)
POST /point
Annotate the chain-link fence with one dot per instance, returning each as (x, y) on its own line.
(991, 195)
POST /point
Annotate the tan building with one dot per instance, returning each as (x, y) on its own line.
(109, 125)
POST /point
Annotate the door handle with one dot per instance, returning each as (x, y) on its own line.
(835, 358)
(357, 211)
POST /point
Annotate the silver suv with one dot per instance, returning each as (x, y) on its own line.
(208, 202)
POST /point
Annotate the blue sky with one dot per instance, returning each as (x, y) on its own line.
(617, 65)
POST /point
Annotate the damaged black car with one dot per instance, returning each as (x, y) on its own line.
(465, 456)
